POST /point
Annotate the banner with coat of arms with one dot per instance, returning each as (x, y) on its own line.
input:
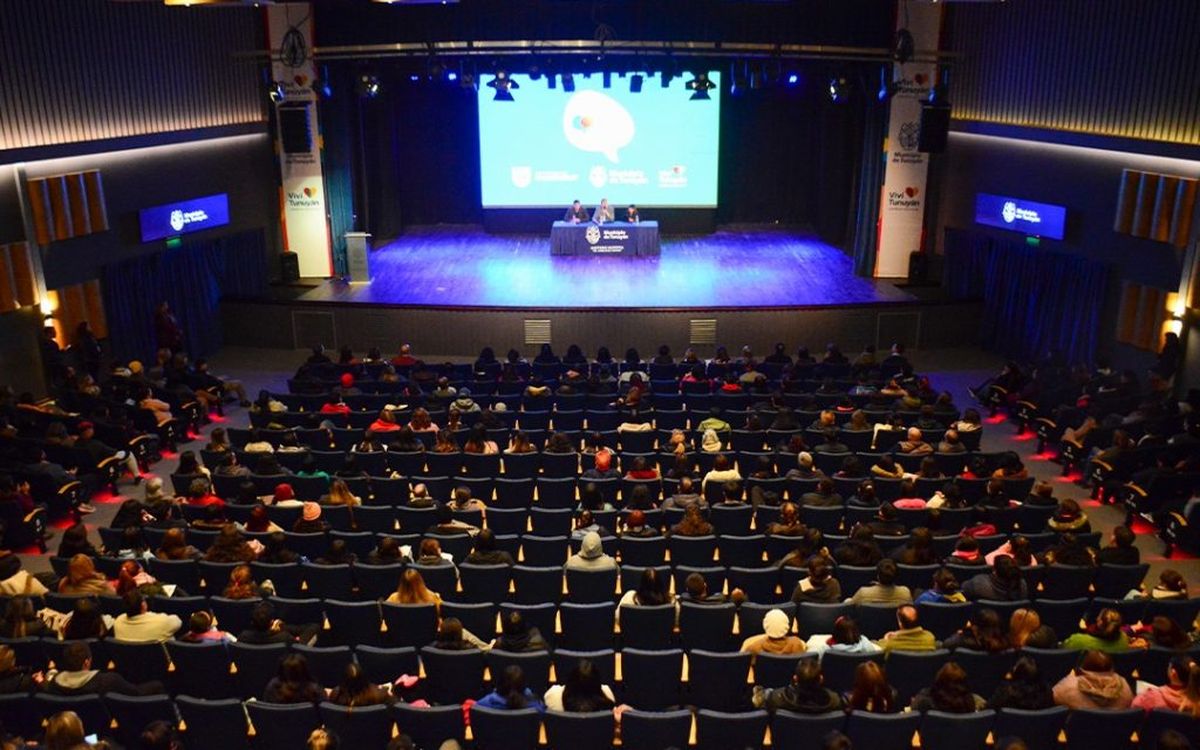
(302, 194)
(902, 205)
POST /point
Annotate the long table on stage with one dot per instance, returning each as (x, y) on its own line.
(612, 238)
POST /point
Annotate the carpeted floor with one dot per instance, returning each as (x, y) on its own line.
(952, 370)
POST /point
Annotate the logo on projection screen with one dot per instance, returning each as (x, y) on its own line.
(522, 177)
(597, 123)
(592, 235)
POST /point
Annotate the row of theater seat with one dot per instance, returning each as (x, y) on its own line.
(713, 680)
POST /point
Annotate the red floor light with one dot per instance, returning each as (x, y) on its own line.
(997, 419)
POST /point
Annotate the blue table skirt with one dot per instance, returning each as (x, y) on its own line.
(613, 238)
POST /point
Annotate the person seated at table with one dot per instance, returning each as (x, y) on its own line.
(603, 212)
(576, 213)
(631, 214)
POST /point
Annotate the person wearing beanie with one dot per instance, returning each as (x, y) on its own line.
(310, 521)
(285, 496)
(776, 637)
(347, 387)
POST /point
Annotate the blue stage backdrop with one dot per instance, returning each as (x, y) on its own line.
(657, 147)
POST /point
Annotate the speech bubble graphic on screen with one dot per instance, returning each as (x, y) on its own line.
(597, 123)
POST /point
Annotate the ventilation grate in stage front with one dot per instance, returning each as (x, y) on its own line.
(537, 331)
(703, 331)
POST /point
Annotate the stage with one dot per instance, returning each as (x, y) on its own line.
(733, 268)
(452, 290)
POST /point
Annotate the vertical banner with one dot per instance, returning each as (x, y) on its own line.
(902, 205)
(297, 138)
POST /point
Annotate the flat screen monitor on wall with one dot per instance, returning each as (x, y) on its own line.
(183, 217)
(546, 147)
(1020, 215)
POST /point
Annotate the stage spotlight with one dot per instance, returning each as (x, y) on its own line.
(738, 78)
(839, 89)
(606, 77)
(322, 86)
(367, 86)
(568, 82)
(414, 78)
(886, 86)
(276, 91)
(792, 79)
(503, 85)
(635, 83)
(452, 76)
(700, 85)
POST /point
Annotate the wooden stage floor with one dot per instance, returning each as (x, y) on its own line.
(732, 268)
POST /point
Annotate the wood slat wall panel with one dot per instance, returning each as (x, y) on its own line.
(81, 70)
(67, 205)
(1156, 206)
(1119, 68)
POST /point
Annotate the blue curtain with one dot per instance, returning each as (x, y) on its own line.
(193, 279)
(1034, 301)
(966, 254)
(338, 126)
(865, 238)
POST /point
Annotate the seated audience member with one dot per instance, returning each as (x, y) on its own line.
(1121, 549)
(966, 552)
(918, 550)
(776, 637)
(944, 589)
(806, 694)
(387, 552)
(1018, 548)
(805, 468)
(20, 620)
(517, 635)
(845, 638)
(651, 591)
(789, 523)
(591, 555)
(1171, 585)
(1025, 628)
(603, 468)
(293, 683)
(823, 496)
(887, 468)
(695, 591)
(85, 621)
(430, 553)
(485, 551)
(310, 521)
(910, 636)
(139, 625)
(1168, 696)
(75, 542)
(692, 524)
(1042, 496)
(722, 471)
(983, 632)
(1105, 634)
(819, 586)
(639, 499)
(356, 689)
(76, 677)
(1004, 583)
(202, 628)
(16, 680)
(884, 590)
(266, 628)
(510, 692)
(1070, 551)
(1094, 684)
(887, 522)
(871, 692)
(914, 444)
(586, 523)
(636, 527)
(951, 443)
(830, 443)
(1023, 688)
(860, 549)
(452, 637)
(581, 692)
(231, 546)
(950, 693)
(82, 578)
(1069, 517)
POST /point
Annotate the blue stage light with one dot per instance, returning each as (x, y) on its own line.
(452, 76)
(793, 79)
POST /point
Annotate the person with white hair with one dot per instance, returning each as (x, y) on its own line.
(915, 444)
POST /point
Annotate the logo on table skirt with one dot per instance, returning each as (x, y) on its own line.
(522, 176)
(592, 235)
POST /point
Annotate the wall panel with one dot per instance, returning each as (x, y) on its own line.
(1122, 68)
(84, 70)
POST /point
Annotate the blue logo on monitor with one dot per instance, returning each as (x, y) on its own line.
(184, 217)
(1029, 217)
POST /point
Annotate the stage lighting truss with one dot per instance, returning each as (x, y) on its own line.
(700, 85)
